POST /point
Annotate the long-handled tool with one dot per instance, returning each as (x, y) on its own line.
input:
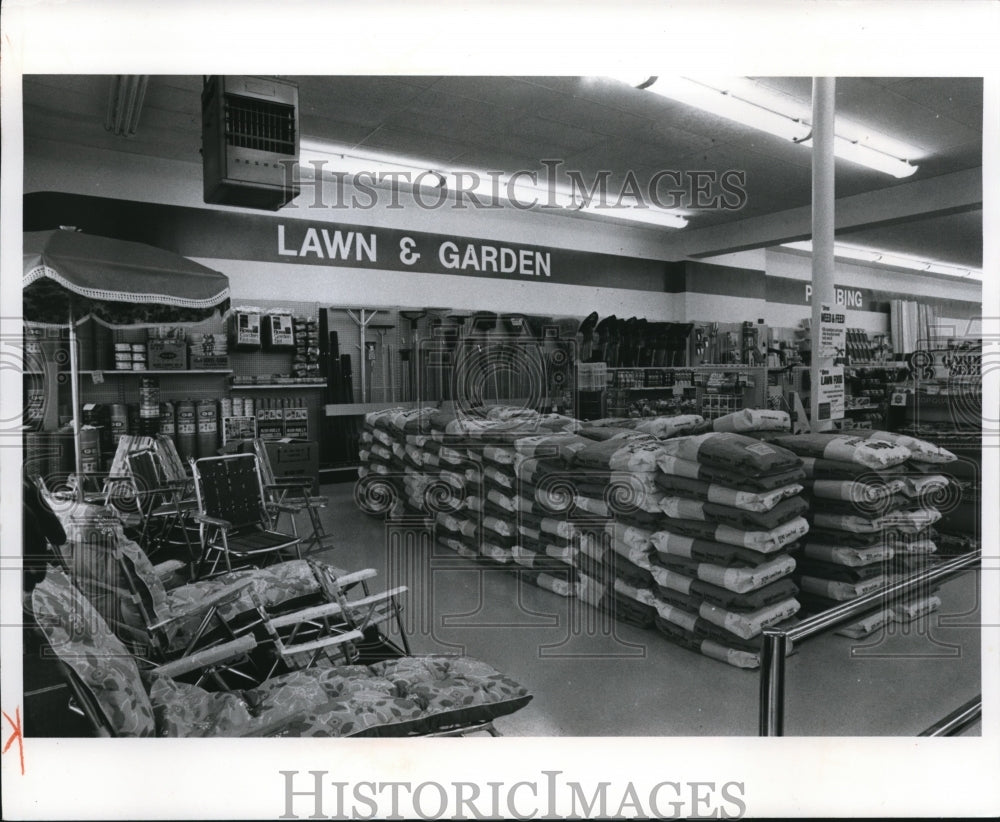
(409, 353)
(381, 330)
(362, 319)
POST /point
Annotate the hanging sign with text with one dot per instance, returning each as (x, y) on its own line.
(830, 394)
(832, 331)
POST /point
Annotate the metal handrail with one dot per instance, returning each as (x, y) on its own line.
(958, 720)
(775, 640)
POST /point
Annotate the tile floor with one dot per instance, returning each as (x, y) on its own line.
(573, 658)
(591, 676)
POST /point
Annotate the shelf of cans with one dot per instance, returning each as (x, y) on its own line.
(708, 531)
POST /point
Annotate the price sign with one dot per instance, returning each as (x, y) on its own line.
(830, 394)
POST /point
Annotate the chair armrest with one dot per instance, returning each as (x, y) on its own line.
(292, 480)
(227, 594)
(216, 521)
(206, 657)
(355, 577)
(285, 507)
(316, 612)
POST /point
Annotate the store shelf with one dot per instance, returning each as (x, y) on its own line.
(115, 372)
(700, 367)
(355, 409)
(275, 386)
(641, 388)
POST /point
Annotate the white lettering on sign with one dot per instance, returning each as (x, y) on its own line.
(488, 259)
(847, 297)
(326, 246)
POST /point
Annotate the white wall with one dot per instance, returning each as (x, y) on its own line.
(374, 288)
(55, 166)
(799, 267)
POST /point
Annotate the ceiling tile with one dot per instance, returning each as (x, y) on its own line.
(959, 98)
(952, 238)
(504, 92)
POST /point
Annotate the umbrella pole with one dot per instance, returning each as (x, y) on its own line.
(74, 373)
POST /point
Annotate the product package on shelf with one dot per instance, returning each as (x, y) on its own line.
(305, 362)
(207, 351)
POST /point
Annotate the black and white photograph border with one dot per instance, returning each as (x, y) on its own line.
(569, 287)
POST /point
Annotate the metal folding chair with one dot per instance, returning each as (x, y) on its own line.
(234, 515)
(161, 504)
(295, 492)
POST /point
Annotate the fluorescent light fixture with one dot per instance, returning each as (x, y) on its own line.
(384, 167)
(524, 190)
(722, 102)
(638, 213)
(743, 101)
(125, 99)
(871, 255)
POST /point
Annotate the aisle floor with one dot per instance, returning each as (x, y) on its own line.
(591, 676)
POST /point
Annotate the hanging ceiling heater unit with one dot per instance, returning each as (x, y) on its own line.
(250, 141)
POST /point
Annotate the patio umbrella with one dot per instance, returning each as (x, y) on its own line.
(70, 277)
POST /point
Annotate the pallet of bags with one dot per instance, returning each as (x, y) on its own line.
(548, 561)
(624, 602)
(732, 509)
(458, 532)
(634, 454)
(868, 513)
(547, 550)
(904, 612)
(716, 599)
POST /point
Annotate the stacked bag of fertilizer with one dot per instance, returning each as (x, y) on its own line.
(871, 514)
(614, 486)
(387, 448)
(548, 541)
(722, 560)
(479, 451)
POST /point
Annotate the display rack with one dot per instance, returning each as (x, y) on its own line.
(693, 389)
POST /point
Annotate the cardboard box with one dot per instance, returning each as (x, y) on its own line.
(295, 458)
(167, 355)
(201, 361)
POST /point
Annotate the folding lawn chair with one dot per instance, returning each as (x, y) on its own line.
(122, 697)
(163, 509)
(235, 516)
(296, 493)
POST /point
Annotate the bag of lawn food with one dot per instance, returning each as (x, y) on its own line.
(753, 419)
(665, 427)
(721, 495)
(871, 454)
(921, 450)
(549, 446)
(741, 454)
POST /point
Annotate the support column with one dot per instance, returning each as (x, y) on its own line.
(823, 195)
